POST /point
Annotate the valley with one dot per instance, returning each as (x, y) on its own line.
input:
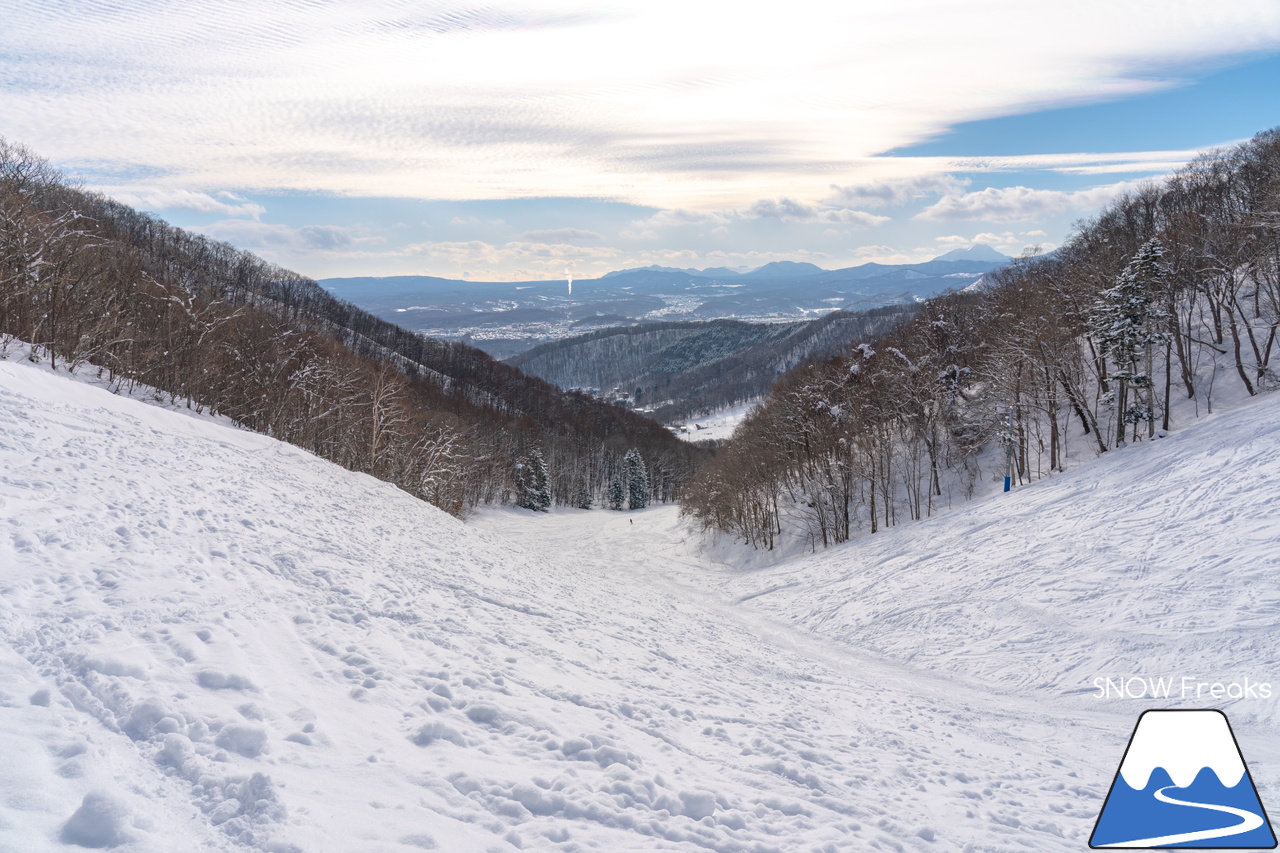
(508, 318)
(215, 641)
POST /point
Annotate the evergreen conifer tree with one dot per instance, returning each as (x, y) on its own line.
(617, 493)
(1128, 325)
(533, 490)
(637, 480)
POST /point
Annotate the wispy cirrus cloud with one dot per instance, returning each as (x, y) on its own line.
(160, 199)
(657, 104)
(692, 127)
(1081, 163)
(246, 234)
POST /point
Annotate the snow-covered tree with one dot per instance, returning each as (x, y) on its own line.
(1128, 324)
(532, 488)
(617, 493)
(582, 497)
(637, 478)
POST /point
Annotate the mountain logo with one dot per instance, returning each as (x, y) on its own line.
(1183, 783)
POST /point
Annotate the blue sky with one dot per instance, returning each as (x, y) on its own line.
(1196, 106)
(394, 137)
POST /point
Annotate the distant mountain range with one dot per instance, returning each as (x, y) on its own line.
(506, 318)
(776, 269)
(985, 256)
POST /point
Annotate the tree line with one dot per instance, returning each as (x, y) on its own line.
(88, 281)
(1167, 294)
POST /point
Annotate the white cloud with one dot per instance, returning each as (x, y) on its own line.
(674, 257)
(330, 237)
(890, 255)
(897, 191)
(783, 208)
(679, 217)
(854, 218)
(255, 236)
(158, 200)
(1007, 241)
(559, 234)
(1017, 204)
(672, 113)
(1127, 162)
(515, 260)
(458, 253)
(788, 210)
(523, 249)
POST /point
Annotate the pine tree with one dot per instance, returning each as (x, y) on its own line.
(617, 493)
(637, 480)
(582, 499)
(1128, 325)
(533, 489)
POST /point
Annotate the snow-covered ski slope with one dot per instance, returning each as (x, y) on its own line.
(213, 641)
(1161, 559)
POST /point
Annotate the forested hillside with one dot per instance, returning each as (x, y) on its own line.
(682, 369)
(87, 280)
(1162, 304)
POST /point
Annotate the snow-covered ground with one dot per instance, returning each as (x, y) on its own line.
(213, 641)
(717, 425)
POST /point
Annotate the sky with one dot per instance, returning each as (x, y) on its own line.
(532, 141)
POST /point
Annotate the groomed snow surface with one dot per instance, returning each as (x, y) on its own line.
(718, 425)
(213, 641)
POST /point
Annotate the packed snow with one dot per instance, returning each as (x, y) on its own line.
(717, 425)
(213, 641)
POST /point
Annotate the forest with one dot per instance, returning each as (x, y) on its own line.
(681, 369)
(87, 281)
(1170, 294)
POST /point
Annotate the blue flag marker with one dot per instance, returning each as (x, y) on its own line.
(1183, 783)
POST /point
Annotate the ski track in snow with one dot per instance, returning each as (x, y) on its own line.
(213, 641)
